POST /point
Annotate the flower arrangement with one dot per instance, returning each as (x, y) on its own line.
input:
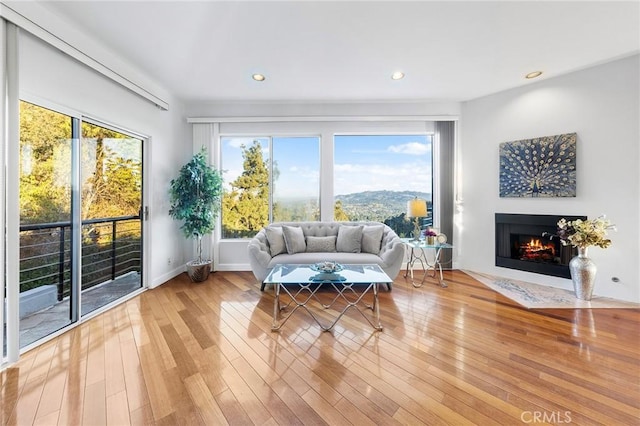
(584, 233)
(430, 233)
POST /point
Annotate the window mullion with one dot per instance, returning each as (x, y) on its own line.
(271, 185)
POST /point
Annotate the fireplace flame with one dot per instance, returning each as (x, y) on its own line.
(535, 245)
(537, 248)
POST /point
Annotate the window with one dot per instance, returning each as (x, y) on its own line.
(268, 179)
(375, 176)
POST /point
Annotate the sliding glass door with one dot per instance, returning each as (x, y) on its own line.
(80, 219)
(46, 260)
(111, 220)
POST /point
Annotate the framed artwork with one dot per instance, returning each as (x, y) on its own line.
(539, 167)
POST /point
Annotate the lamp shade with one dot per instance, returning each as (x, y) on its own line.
(417, 208)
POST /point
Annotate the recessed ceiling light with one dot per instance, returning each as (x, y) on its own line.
(533, 74)
(397, 75)
(258, 77)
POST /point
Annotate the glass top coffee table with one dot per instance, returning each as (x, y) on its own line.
(299, 286)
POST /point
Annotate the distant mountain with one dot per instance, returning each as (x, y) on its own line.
(378, 205)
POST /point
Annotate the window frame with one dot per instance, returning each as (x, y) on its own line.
(434, 160)
(325, 128)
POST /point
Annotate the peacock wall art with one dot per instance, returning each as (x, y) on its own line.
(539, 167)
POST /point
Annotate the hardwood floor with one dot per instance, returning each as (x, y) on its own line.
(203, 353)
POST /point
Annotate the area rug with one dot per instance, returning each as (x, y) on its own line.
(536, 296)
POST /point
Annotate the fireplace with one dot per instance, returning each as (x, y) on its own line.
(520, 244)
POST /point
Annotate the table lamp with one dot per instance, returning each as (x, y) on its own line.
(416, 209)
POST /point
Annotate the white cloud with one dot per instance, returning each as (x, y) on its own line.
(236, 142)
(411, 148)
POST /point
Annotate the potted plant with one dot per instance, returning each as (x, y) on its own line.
(430, 236)
(195, 199)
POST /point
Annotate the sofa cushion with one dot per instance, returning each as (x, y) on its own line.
(294, 239)
(372, 238)
(276, 240)
(343, 258)
(321, 244)
(349, 239)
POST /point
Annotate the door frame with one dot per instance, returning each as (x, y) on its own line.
(12, 216)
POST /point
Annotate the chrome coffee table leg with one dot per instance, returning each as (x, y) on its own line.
(275, 326)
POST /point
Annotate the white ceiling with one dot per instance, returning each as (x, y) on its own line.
(346, 51)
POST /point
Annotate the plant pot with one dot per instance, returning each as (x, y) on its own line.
(199, 271)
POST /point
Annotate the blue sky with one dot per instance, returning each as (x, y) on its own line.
(381, 162)
(361, 163)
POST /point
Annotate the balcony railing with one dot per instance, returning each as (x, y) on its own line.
(111, 247)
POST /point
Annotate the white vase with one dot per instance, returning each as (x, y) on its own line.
(583, 274)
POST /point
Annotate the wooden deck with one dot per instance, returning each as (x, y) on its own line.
(203, 353)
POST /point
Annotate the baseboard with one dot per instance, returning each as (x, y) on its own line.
(233, 267)
(167, 276)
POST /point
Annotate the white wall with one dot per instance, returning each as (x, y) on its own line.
(601, 104)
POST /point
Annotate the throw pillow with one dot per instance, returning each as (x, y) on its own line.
(321, 244)
(276, 240)
(372, 238)
(349, 239)
(294, 239)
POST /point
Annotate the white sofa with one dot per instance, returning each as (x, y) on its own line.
(312, 242)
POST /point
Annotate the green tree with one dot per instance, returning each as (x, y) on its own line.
(338, 213)
(246, 205)
(119, 195)
(45, 191)
(401, 225)
(113, 183)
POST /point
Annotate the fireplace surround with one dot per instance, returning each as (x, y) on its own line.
(520, 244)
